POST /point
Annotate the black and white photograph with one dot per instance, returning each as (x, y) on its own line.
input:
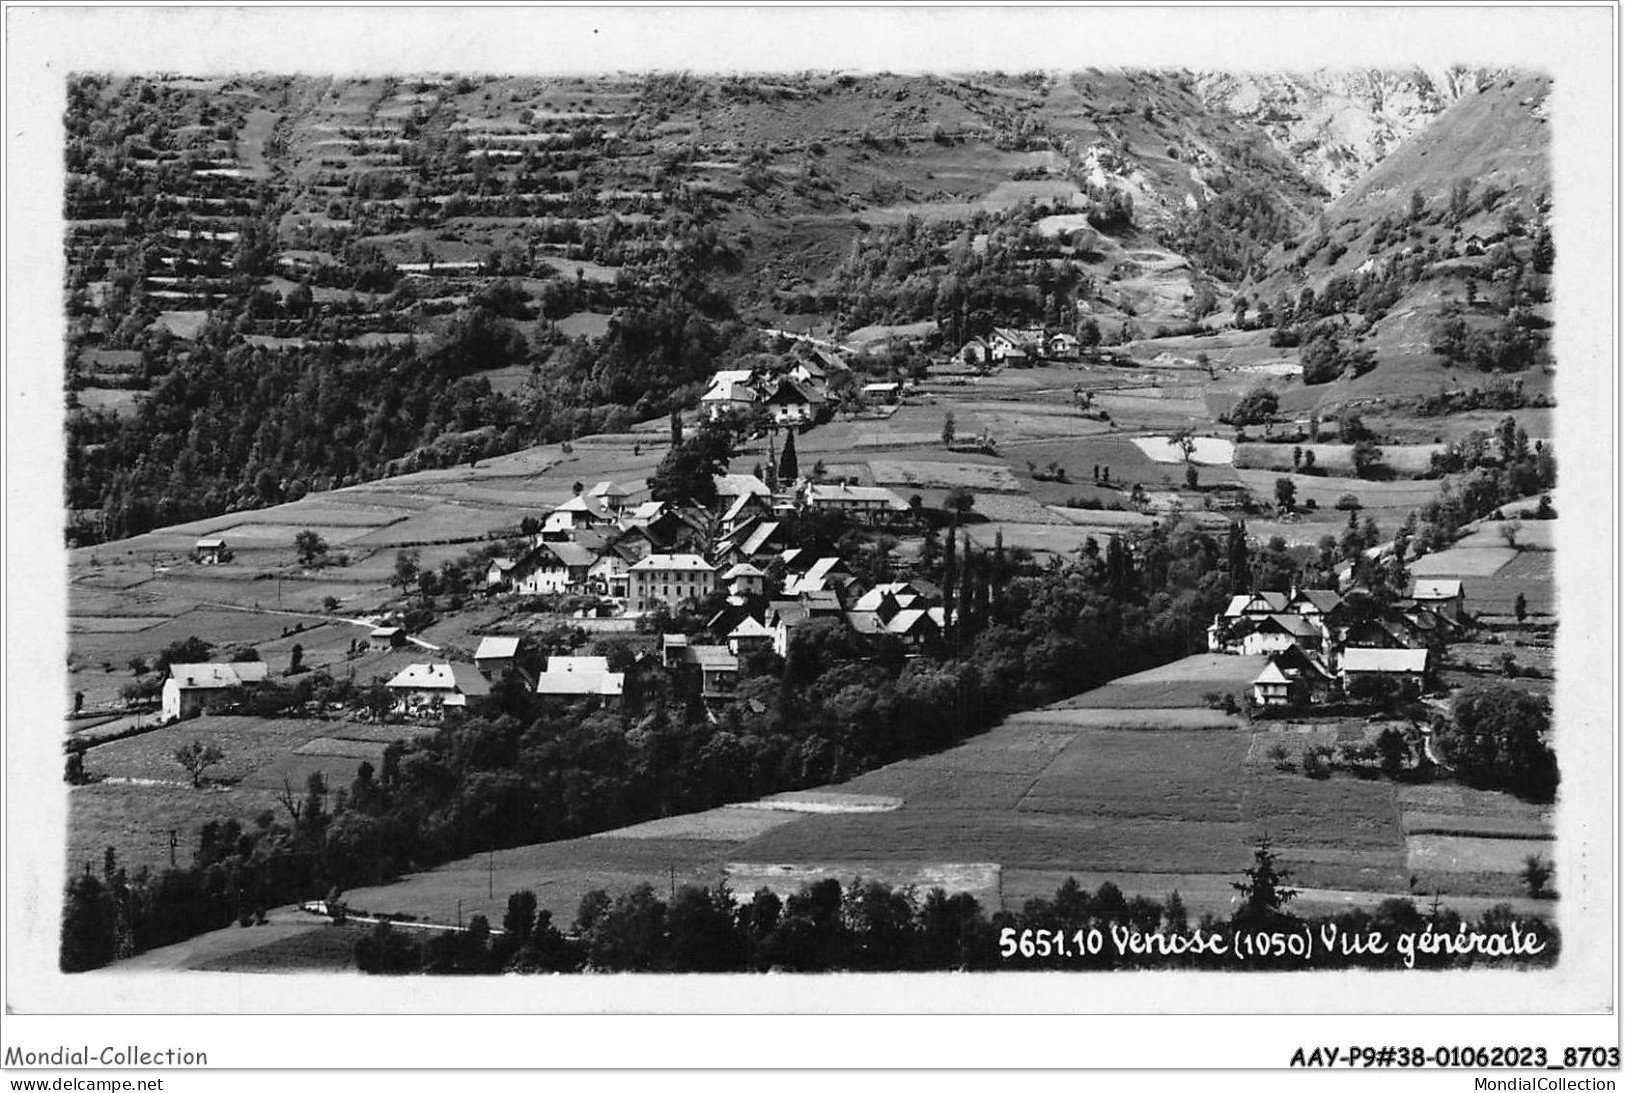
(631, 522)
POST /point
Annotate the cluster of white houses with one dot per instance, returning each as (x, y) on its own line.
(1015, 347)
(1321, 645)
(794, 397)
(639, 558)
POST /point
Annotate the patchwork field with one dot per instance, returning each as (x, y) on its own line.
(141, 792)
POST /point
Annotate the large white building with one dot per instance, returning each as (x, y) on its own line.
(669, 580)
(193, 688)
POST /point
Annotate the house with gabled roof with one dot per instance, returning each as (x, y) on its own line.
(1318, 603)
(742, 508)
(1402, 666)
(823, 575)
(580, 677)
(614, 497)
(610, 573)
(191, 689)
(498, 573)
(976, 351)
(581, 511)
(1264, 634)
(749, 635)
(1292, 677)
(552, 568)
(424, 688)
(792, 402)
(210, 551)
(1225, 633)
(1062, 347)
(1444, 595)
(916, 627)
(743, 579)
(1015, 346)
(727, 396)
(497, 655)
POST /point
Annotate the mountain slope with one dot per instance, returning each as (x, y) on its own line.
(1339, 124)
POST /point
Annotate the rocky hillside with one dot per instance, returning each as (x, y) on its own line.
(1336, 125)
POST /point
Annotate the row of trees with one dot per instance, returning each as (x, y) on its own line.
(871, 926)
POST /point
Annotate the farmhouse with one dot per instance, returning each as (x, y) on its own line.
(611, 496)
(194, 688)
(882, 393)
(497, 573)
(496, 656)
(581, 511)
(792, 402)
(611, 572)
(1062, 347)
(1291, 678)
(1273, 633)
(1015, 346)
(391, 637)
(869, 502)
(1399, 665)
(210, 552)
(668, 580)
(727, 397)
(1444, 596)
(976, 351)
(422, 688)
(552, 569)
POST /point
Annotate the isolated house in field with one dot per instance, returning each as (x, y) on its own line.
(580, 677)
(496, 656)
(210, 552)
(887, 393)
(1445, 596)
(192, 689)
(425, 688)
(1401, 666)
(388, 636)
(669, 580)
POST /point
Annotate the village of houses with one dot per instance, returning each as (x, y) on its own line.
(628, 557)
